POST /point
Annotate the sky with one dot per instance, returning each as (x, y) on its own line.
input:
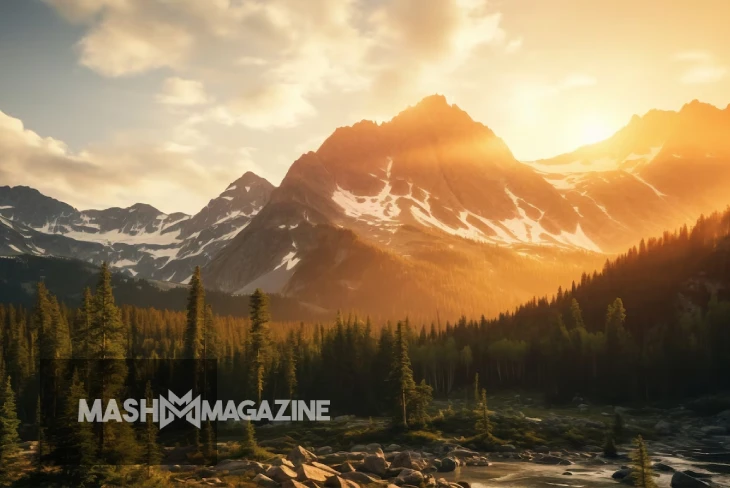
(113, 102)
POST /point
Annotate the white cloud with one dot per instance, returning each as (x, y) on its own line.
(114, 173)
(177, 91)
(702, 67)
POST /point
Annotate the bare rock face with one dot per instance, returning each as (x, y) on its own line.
(299, 455)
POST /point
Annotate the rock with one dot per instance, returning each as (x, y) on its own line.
(711, 430)
(299, 455)
(663, 467)
(338, 482)
(206, 473)
(409, 477)
(373, 447)
(361, 478)
(306, 472)
(213, 482)
(323, 450)
(448, 464)
(697, 475)
(567, 473)
(281, 474)
(408, 459)
(375, 464)
(621, 474)
(392, 448)
(293, 484)
(263, 480)
(463, 484)
(462, 453)
(582, 407)
(553, 460)
(507, 448)
(336, 458)
(663, 428)
(345, 468)
(359, 448)
(681, 480)
(324, 467)
(542, 449)
(717, 468)
(282, 462)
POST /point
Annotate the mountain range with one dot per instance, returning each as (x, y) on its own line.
(429, 210)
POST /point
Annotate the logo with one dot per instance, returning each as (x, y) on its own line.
(164, 410)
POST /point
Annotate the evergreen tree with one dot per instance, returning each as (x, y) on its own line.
(476, 388)
(641, 471)
(618, 427)
(484, 426)
(84, 323)
(248, 443)
(76, 446)
(609, 447)
(194, 331)
(402, 375)
(259, 341)
(151, 453)
(576, 315)
(421, 400)
(9, 438)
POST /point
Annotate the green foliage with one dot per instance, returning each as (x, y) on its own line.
(642, 473)
(9, 438)
(259, 340)
(194, 332)
(401, 376)
(483, 425)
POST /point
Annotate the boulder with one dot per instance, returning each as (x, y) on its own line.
(663, 467)
(621, 474)
(408, 459)
(293, 484)
(712, 430)
(299, 455)
(265, 481)
(345, 468)
(359, 448)
(323, 450)
(448, 464)
(375, 464)
(463, 484)
(681, 480)
(306, 472)
(324, 467)
(361, 478)
(281, 474)
(409, 477)
(282, 462)
(338, 482)
(392, 448)
(663, 428)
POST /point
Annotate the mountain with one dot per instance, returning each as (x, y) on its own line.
(420, 209)
(140, 240)
(438, 198)
(661, 170)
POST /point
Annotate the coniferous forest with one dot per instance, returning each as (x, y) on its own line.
(651, 326)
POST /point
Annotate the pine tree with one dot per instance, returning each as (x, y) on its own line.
(248, 443)
(476, 388)
(290, 369)
(9, 438)
(75, 444)
(84, 322)
(259, 341)
(194, 330)
(151, 452)
(421, 400)
(618, 427)
(641, 471)
(576, 315)
(609, 447)
(484, 426)
(402, 375)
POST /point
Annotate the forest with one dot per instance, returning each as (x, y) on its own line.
(652, 325)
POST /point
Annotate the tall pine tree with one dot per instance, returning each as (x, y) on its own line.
(402, 375)
(9, 438)
(259, 341)
(641, 471)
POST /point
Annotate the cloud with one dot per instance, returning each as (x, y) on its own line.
(280, 105)
(113, 173)
(702, 67)
(177, 91)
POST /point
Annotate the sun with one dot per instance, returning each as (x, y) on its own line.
(593, 129)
